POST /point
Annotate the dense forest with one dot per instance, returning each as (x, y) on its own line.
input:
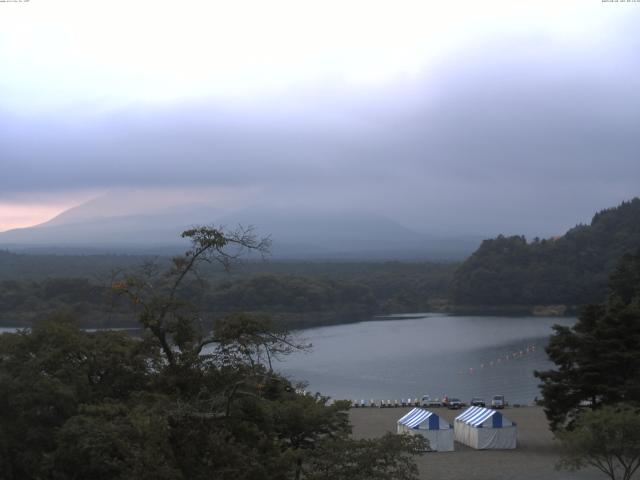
(179, 402)
(295, 294)
(505, 275)
(569, 270)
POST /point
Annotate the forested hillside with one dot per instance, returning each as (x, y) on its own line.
(504, 272)
(570, 270)
(296, 294)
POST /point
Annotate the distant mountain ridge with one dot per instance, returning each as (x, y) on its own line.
(570, 270)
(98, 227)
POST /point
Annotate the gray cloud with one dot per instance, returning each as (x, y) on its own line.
(512, 137)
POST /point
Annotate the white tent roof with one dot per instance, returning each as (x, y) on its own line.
(418, 416)
(477, 416)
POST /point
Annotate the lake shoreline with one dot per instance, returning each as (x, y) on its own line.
(513, 310)
(302, 322)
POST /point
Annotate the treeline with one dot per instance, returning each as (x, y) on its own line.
(294, 301)
(101, 267)
(24, 303)
(37, 267)
(505, 275)
(570, 270)
(180, 401)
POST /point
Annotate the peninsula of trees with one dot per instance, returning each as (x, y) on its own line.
(570, 270)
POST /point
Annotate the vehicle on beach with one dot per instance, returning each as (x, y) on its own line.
(455, 404)
(477, 402)
(427, 401)
(498, 402)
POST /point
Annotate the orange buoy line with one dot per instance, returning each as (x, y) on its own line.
(415, 402)
(509, 356)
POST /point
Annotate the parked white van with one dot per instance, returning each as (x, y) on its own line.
(498, 402)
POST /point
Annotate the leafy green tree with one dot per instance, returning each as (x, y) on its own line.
(391, 456)
(180, 402)
(115, 440)
(158, 295)
(598, 359)
(253, 340)
(607, 439)
(302, 422)
(48, 373)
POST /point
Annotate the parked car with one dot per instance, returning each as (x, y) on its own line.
(478, 402)
(455, 404)
(427, 401)
(498, 402)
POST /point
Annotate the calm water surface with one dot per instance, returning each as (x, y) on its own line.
(415, 355)
(8, 329)
(432, 354)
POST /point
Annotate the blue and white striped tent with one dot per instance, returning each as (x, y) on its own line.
(483, 428)
(435, 429)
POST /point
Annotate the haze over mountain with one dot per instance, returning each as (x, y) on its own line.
(127, 221)
(448, 118)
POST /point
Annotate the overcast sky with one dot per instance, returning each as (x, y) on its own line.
(458, 117)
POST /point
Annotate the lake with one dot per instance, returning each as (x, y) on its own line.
(420, 354)
(8, 329)
(430, 354)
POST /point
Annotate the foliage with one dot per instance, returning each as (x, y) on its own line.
(598, 360)
(607, 439)
(346, 459)
(47, 374)
(570, 270)
(296, 295)
(181, 402)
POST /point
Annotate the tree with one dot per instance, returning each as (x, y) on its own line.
(303, 422)
(380, 459)
(607, 439)
(47, 374)
(115, 440)
(181, 402)
(568, 270)
(157, 294)
(251, 339)
(598, 360)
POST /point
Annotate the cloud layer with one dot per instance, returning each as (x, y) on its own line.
(519, 133)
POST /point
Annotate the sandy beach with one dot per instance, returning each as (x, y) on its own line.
(535, 457)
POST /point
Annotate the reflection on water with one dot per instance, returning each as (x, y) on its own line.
(434, 354)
